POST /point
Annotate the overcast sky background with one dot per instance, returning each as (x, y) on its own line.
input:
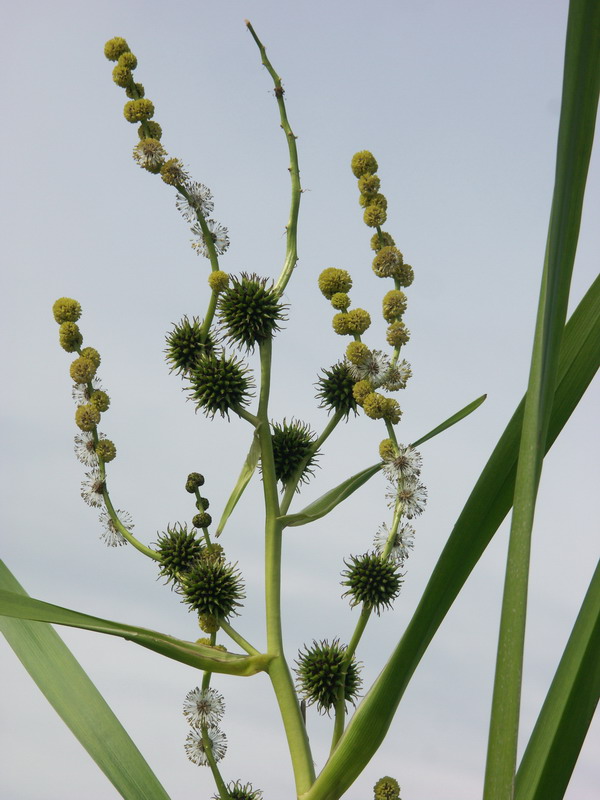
(459, 101)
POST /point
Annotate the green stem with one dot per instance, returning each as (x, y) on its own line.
(291, 252)
(238, 638)
(278, 669)
(222, 789)
(147, 551)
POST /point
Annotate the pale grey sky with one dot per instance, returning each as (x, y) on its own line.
(459, 101)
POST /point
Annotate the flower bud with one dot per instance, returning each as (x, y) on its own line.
(374, 216)
(340, 301)
(87, 417)
(374, 405)
(202, 520)
(218, 281)
(387, 261)
(393, 305)
(106, 450)
(70, 337)
(82, 370)
(358, 320)
(193, 482)
(368, 184)
(363, 162)
(101, 400)
(357, 352)
(65, 309)
(397, 334)
(92, 355)
(333, 280)
(138, 110)
(115, 48)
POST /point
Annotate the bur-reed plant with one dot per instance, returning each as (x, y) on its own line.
(211, 355)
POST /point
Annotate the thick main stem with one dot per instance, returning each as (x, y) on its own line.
(279, 671)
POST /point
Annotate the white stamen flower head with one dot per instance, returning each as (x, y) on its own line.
(397, 376)
(203, 707)
(150, 154)
(401, 544)
(80, 392)
(111, 535)
(406, 463)
(219, 234)
(92, 488)
(412, 495)
(200, 200)
(85, 449)
(372, 368)
(194, 746)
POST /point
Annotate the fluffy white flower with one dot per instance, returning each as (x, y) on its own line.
(85, 449)
(200, 200)
(111, 535)
(203, 707)
(81, 393)
(402, 542)
(194, 746)
(92, 488)
(406, 464)
(219, 234)
(397, 376)
(412, 495)
(372, 368)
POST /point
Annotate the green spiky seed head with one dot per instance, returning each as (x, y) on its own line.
(357, 352)
(397, 334)
(178, 549)
(100, 399)
(212, 587)
(202, 520)
(333, 280)
(218, 280)
(404, 274)
(238, 791)
(387, 450)
(82, 370)
(173, 172)
(381, 240)
(340, 324)
(393, 305)
(363, 162)
(319, 671)
(386, 262)
(106, 450)
(292, 443)
(218, 384)
(138, 110)
(250, 311)
(208, 623)
(387, 789)
(371, 581)
(374, 216)
(154, 131)
(335, 390)
(361, 390)
(122, 76)
(65, 309)
(115, 47)
(374, 405)
(70, 337)
(186, 345)
(194, 481)
(150, 155)
(340, 301)
(134, 91)
(368, 184)
(358, 320)
(87, 417)
(92, 355)
(392, 411)
(127, 60)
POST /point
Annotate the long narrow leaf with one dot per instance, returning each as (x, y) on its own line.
(487, 506)
(246, 474)
(464, 412)
(562, 724)
(76, 700)
(195, 655)
(581, 86)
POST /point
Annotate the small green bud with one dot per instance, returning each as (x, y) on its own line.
(368, 184)
(121, 76)
(87, 417)
(340, 324)
(361, 390)
(114, 48)
(173, 172)
(357, 352)
(127, 60)
(202, 520)
(393, 305)
(404, 275)
(358, 320)
(386, 789)
(387, 261)
(340, 301)
(387, 450)
(381, 240)
(371, 581)
(208, 623)
(218, 281)
(392, 411)
(92, 354)
(397, 334)
(70, 337)
(363, 162)
(374, 405)
(374, 216)
(335, 390)
(65, 309)
(154, 129)
(333, 280)
(206, 640)
(138, 110)
(193, 482)
(82, 370)
(106, 450)
(203, 504)
(135, 92)
(100, 399)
